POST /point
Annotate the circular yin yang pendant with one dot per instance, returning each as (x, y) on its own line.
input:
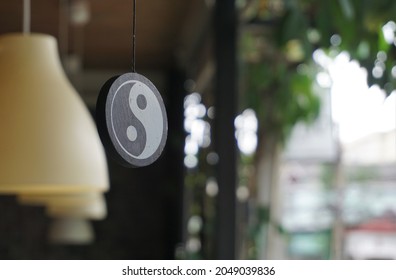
(132, 121)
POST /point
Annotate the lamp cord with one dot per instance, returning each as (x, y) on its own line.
(26, 17)
(134, 38)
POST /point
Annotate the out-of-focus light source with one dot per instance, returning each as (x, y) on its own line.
(323, 79)
(80, 12)
(190, 161)
(243, 193)
(194, 225)
(394, 72)
(389, 30)
(198, 129)
(71, 231)
(212, 158)
(191, 146)
(313, 36)
(193, 245)
(212, 188)
(211, 112)
(246, 126)
(377, 72)
(335, 40)
(192, 99)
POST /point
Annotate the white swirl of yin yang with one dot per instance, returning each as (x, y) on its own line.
(150, 116)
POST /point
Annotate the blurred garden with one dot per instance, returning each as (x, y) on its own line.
(315, 134)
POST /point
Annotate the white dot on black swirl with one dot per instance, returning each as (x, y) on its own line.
(131, 133)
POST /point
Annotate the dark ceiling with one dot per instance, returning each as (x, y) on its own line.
(165, 29)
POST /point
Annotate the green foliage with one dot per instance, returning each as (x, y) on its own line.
(279, 93)
(290, 31)
(358, 23)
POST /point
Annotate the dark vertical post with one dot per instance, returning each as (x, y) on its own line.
(225, 22)
(175, 155)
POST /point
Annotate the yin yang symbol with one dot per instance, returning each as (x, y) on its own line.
(135, 117)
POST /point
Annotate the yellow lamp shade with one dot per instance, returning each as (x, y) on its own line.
(94, 210)
(71, 231)
(70, 200)
(49, 143)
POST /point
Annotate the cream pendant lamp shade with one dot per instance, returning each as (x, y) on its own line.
(71, 231)
(49, 143)
(70, 200)
(93, 210)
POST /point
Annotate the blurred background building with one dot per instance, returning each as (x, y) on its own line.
(282, 130)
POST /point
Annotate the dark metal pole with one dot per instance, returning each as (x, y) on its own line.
(175, 168)
(225, 22)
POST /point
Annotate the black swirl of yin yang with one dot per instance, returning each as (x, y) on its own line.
(136, 124)
(130, 133)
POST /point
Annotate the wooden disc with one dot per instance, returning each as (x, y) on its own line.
(131, 119)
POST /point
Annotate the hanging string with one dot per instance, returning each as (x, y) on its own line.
(134, 38)
(26, 17)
